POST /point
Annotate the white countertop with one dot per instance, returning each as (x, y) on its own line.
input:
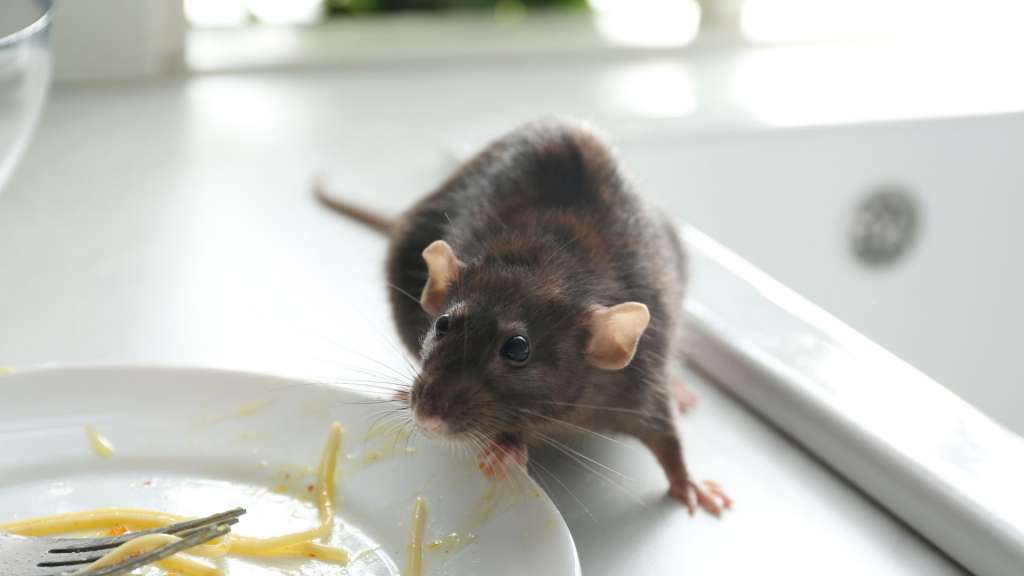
(171, 222)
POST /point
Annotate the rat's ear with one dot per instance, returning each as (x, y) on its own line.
(443, 268)
(615, 333)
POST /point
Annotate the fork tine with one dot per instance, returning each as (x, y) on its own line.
(189, 531)
(71, 545)
(214, 519)
(196, 538)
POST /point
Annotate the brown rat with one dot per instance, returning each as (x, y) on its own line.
(549, 296)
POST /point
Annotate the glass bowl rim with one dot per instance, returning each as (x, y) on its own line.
(32, 29)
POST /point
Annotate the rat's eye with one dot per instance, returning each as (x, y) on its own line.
(441, 325)
(516, 349)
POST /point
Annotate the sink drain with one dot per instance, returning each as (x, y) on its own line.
(884, 226)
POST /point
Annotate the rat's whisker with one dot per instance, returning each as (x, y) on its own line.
(597, 407)
(597, 473)
(364, 371)
(541, 468)
(387, 426)
(383, 417)
(306, 331)
(385, 412)
(368, 402)
(391, 370)
(576, 454)
(367, 382)
(412, 371)
(540, 480)
(366, 385)
(577, 427)
(524, 476)
(374, 381)
(472, 449)
(403, 293)
(369, 376)
(582, 460)
(482, 438)
(645, 417)
(394, 375)
(390, 342)
(412, 432)
(377, 392)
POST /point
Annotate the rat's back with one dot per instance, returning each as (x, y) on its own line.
(548, 185)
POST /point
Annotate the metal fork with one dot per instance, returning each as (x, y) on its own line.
(21, 556)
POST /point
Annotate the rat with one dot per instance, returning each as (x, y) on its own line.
(549, 300)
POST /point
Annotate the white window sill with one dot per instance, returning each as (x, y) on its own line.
(723, 83)
(407, 38)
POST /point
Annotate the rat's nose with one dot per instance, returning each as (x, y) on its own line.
(432, 425)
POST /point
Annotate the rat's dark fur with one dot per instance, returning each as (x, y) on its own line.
(546, 227)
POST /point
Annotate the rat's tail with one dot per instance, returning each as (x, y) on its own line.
(370, 218)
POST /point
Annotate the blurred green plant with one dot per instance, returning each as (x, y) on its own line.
(341, 7)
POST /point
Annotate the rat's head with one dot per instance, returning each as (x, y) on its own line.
(505, 349)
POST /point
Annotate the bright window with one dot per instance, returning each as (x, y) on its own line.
(785, 21)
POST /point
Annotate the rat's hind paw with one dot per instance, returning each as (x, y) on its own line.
(708, 495)
(685, 398)
(497, 460)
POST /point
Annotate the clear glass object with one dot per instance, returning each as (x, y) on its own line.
(25, 66)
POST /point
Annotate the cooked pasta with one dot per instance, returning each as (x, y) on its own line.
(294, 545)
(100, 445)
(414, 551)
(144, 544)
(325, 479)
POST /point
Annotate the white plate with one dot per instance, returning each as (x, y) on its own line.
(193, 442)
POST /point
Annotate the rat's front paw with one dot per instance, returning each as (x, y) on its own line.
(708, 495)
(497, 460)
